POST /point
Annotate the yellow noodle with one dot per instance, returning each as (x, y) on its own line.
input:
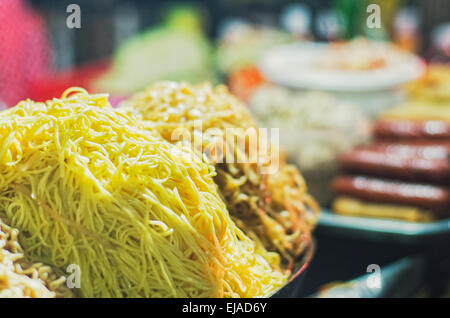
(274, 209)
(87, 185)
(20, 278)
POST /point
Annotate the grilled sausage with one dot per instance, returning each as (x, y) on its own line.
(387, 191)
(404, 129)
(408, 163)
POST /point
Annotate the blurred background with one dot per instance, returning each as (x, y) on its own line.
(351, 101)
(108, 23)
(228, 34)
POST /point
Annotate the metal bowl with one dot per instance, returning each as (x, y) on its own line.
(292, 287)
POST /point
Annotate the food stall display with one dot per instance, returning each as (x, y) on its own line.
(224, 149)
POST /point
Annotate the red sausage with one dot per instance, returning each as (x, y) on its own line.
(404, 129)
(417, 164)
(386, 191)
(421, 149)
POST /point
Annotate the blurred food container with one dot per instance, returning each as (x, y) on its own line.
(367, 73)
(314, 128)
(241, 44)
(177, 49)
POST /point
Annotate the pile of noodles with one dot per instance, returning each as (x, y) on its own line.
(87, 185)
(20, 278)
(272, 207)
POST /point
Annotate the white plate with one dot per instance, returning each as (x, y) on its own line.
(297, 66)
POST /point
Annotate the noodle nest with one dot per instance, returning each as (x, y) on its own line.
(88, 185)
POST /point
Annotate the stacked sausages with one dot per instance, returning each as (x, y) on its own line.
(404, 174)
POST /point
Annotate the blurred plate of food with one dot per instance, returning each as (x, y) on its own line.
(356, 66)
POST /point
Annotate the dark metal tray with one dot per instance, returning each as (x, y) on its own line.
(384, 229)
